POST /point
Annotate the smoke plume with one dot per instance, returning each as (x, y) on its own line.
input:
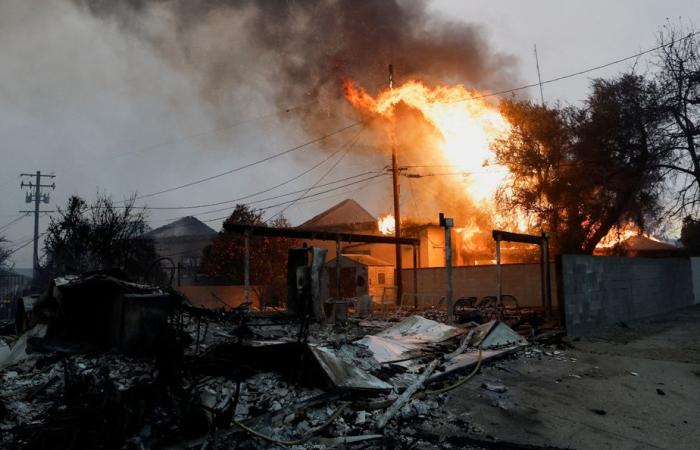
(297, 52)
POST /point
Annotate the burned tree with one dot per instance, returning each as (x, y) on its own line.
(102, 235)
(580, 172)
(5, 252)
(223, 260)
(679, 79)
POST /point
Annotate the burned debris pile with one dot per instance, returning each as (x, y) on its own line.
(107, 363)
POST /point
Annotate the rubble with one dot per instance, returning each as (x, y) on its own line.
(227, 379)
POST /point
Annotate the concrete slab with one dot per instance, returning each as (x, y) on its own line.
(595, 397)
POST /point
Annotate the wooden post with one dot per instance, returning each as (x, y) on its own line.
(547, 275)
(337, 268)
(415, 277)
(246, 268)
(498, 270)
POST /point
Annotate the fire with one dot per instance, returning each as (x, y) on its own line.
(466, 128)
(621, 234)
(386, 224)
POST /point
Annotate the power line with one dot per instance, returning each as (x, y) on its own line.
(246, 166)
(255, 194)
(349, 146)
(298, 191)
(24, 244)
(328, 190)
(12, 222)
(348, 192)
(575, 74)
(286, 194)
(311, 195)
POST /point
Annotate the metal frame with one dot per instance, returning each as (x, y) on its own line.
(258, 230)
(546, 281)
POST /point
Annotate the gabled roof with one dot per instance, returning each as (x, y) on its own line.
(187, 226)
(645, 244)
(344, 213)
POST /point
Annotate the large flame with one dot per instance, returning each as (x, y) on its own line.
(466, 128)
(617, 235)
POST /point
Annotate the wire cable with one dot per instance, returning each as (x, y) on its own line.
(203, 213)
(349, 146)
(246, 166)
(574, 74)
(311, 195)
(206, 205)
(12, 222)
(15, 250)
(293, 192)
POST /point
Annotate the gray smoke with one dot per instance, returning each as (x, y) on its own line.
(297, 52)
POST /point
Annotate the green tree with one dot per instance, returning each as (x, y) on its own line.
(223, 260)
(96, 236)
(580, 172)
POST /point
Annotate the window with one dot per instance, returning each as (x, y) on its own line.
(381, 278)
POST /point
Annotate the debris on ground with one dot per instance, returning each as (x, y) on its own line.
(112, 364)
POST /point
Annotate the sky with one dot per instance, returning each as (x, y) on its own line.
(82, 99)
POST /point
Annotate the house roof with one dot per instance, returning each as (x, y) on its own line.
(346, 212)
(645, 244)
(187, 226)
(366, 260)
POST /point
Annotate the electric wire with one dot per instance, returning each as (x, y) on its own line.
(15, 250)
(203, 213)
(369, 172)
(12, 222)
(311, 195)
(348, 192)
(574, 74)
(254, 163)
(254, 194)
(349, 146)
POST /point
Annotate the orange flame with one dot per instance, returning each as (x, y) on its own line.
(466, 128)
(618, 235)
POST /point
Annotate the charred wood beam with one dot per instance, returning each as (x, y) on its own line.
(296, 233)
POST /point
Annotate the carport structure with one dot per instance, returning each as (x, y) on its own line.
(296, 233)
(546, 280)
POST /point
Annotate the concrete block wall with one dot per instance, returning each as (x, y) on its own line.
(520, 280)
(604, 290)
(695, 273)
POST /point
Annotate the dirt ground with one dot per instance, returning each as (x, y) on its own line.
(636, 386)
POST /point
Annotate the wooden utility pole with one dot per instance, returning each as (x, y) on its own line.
(397, 209)
(246, 268)
(36, 197)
